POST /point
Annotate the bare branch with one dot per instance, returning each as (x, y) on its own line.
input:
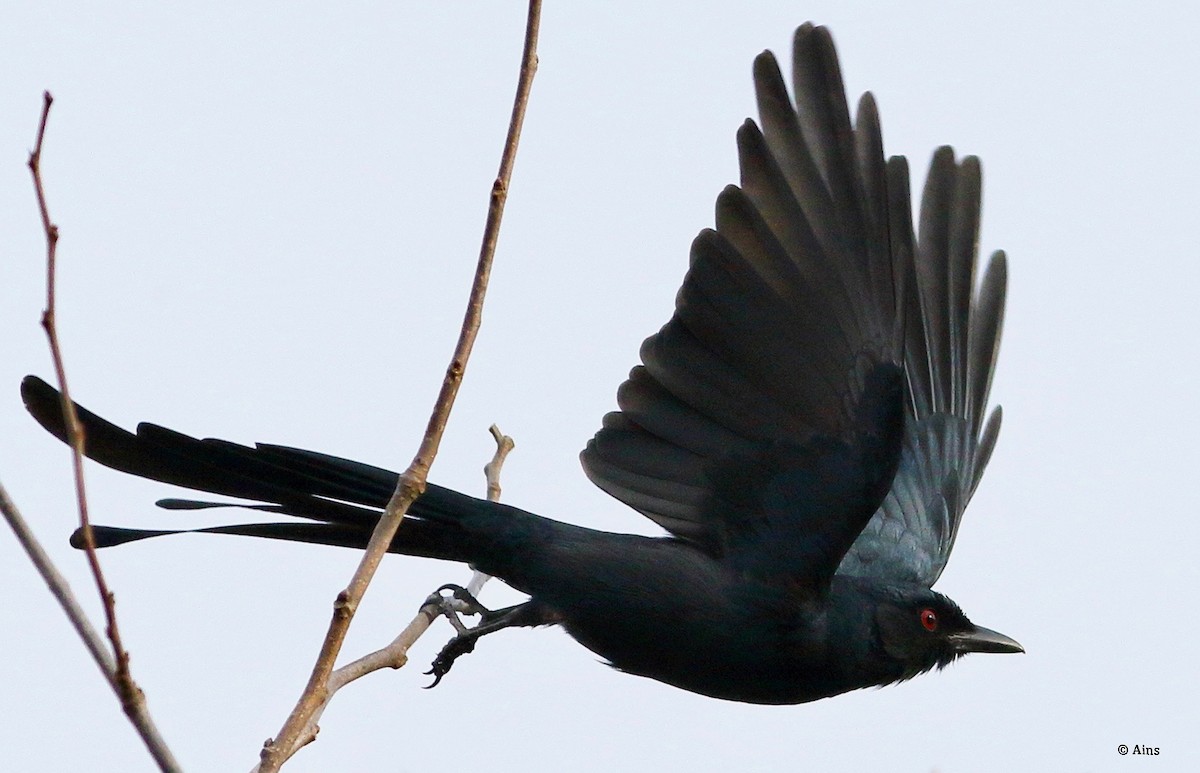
(59, 587)
(395, 654)
(115, 665)
(412, 482)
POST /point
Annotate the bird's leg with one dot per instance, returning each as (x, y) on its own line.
(529, 613)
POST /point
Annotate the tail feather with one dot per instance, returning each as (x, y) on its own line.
(278, 475)
(344, 497)
(416, 538)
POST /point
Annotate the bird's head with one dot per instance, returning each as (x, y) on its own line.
(919, 629)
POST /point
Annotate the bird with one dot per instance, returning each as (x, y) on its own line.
(808, 428)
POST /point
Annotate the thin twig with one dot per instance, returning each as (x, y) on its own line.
(125, 687)
(412, 482)
(59, 588)
(395, 654)
(116, 667)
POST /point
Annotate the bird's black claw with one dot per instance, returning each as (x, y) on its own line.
(459, 645)
(467, 604)
(464, 642)
(470, 604)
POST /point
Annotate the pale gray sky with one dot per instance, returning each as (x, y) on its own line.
(270, 217)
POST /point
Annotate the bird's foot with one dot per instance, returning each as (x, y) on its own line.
(460, 601)
(529, 613)
(459, 645)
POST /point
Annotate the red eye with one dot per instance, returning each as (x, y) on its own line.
(929, 619)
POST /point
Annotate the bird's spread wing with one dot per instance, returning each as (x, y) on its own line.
(765, 422)
(952, 339)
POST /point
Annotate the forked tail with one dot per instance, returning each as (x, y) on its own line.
(342, 498)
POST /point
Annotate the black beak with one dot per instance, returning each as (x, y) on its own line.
(980, 639)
